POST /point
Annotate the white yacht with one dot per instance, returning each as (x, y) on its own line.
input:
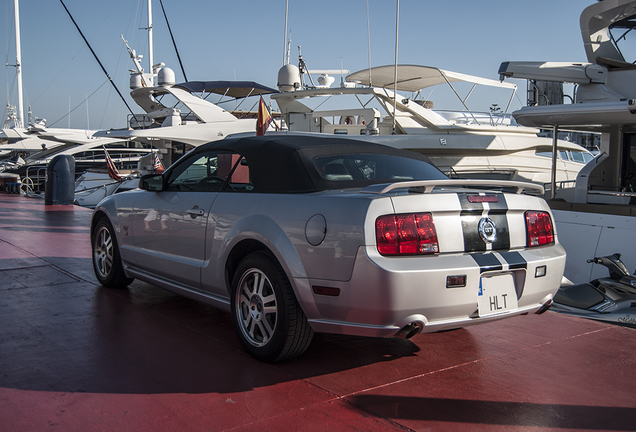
(598, 216)
(462, 143)
(20, 137)
(178, 117)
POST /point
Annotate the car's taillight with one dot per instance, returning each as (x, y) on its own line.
(539, 228)
(406, 234)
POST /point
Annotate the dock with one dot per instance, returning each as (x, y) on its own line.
(76, 356)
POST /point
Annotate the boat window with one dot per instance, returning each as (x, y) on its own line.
(86, 155)
(577, 156)
(544, 153)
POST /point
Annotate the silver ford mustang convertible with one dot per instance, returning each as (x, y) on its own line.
(296, 234)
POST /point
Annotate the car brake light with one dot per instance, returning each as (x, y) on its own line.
(406, 234)
(539, 228)
(483, 198)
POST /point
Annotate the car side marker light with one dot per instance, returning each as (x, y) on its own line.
(328, 291)
(540, 271)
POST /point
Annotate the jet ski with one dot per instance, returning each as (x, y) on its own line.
(611, 299)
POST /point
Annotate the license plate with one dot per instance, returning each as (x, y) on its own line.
(496, 295)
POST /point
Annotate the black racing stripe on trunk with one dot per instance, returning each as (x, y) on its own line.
(487, 262)
(500, 205)
(471, 212)
(514, 260)
(497, 213)
(470, 215)
(468, 206)
(502, 241)
(470, 228)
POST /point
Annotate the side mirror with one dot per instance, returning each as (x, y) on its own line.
(151, 182)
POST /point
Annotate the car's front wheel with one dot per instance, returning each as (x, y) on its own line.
(269, 321)
(106, 259)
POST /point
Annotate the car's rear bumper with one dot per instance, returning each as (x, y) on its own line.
(386, 294)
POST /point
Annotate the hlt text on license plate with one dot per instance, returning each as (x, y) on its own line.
(496, 294)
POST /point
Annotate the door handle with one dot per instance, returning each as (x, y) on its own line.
(196, 211)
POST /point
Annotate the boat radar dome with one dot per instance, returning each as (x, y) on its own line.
(166, 77)
(288, 78)
(136, 81)
(325, 80)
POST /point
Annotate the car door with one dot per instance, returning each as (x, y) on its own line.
(170, 226)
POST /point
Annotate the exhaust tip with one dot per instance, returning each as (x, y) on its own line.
(410, 330)
(544, 308)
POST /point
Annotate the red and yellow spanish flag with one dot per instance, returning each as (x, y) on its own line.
(264, 118)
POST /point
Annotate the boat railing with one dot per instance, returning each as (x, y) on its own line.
(562, 184)
(472, 117)
(612, 193)
(144, 121)
(34, 179)
(140, 121)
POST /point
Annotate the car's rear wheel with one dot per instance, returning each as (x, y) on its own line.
(268, 319)
(106, 259)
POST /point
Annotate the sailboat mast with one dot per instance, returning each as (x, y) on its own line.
(150, 42)
(285, 55)
(395, 78)
(18, 66)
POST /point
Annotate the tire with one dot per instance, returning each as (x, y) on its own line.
(269, 322)
(106, 258)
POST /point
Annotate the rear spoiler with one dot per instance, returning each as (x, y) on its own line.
(429, 185)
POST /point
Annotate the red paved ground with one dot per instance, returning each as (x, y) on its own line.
(75, 356)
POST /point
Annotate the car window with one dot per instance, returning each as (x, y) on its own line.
(374, 167)
(212, 171)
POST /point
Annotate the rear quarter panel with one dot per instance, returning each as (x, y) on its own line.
(279, 222)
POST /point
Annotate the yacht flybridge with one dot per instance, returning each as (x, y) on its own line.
(463, 143)
(178, 117)
(603, 204)
(605, 100)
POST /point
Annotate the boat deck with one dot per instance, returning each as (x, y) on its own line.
(75, 356)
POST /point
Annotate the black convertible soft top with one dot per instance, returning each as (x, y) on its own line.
(285, 163)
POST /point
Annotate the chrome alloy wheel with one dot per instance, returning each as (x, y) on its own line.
(256, 307)
(103, 252)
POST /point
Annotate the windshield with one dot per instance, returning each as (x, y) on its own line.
(624, 38)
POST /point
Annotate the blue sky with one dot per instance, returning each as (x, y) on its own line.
(243, 39)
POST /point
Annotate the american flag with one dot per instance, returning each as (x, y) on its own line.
(112, 169)
(157, 166)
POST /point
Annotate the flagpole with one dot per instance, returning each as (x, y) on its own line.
(397, 20)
